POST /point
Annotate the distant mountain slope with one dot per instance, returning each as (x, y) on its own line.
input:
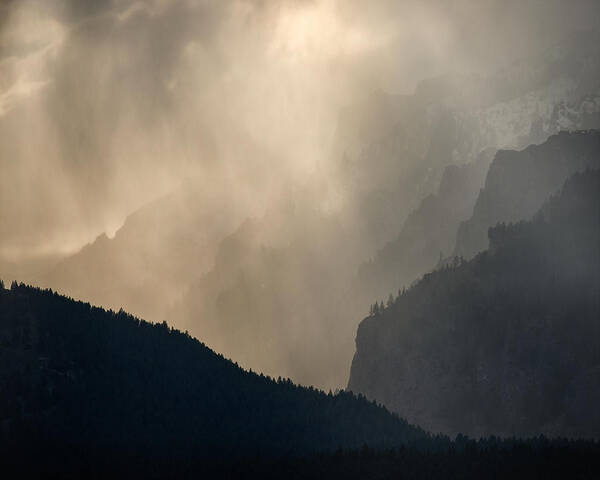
(518, 183)
(155, 254)
(272, 299)
(72, 374)
(507, 343)
(392, 149)
(428, 232)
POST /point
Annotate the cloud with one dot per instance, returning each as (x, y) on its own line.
(29, 43)
(116, 101)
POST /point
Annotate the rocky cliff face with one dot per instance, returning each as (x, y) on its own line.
(428, 233)
(518, 183)
(507, 343)
(392, 149)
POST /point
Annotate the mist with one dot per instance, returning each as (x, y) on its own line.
(107, 105)
(231, 109)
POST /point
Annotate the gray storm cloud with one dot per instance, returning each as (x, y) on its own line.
(106, 105)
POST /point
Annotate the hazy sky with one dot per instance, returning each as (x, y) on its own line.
(105, 105)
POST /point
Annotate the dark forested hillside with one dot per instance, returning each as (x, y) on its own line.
(507, 343)
(87, 393)
(74, 374)
(518, 183)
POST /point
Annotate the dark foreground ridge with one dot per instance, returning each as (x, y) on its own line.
(88, 393)
(76, 374)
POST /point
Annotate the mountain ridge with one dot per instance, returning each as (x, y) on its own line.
(506, 343)
(519, 182)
